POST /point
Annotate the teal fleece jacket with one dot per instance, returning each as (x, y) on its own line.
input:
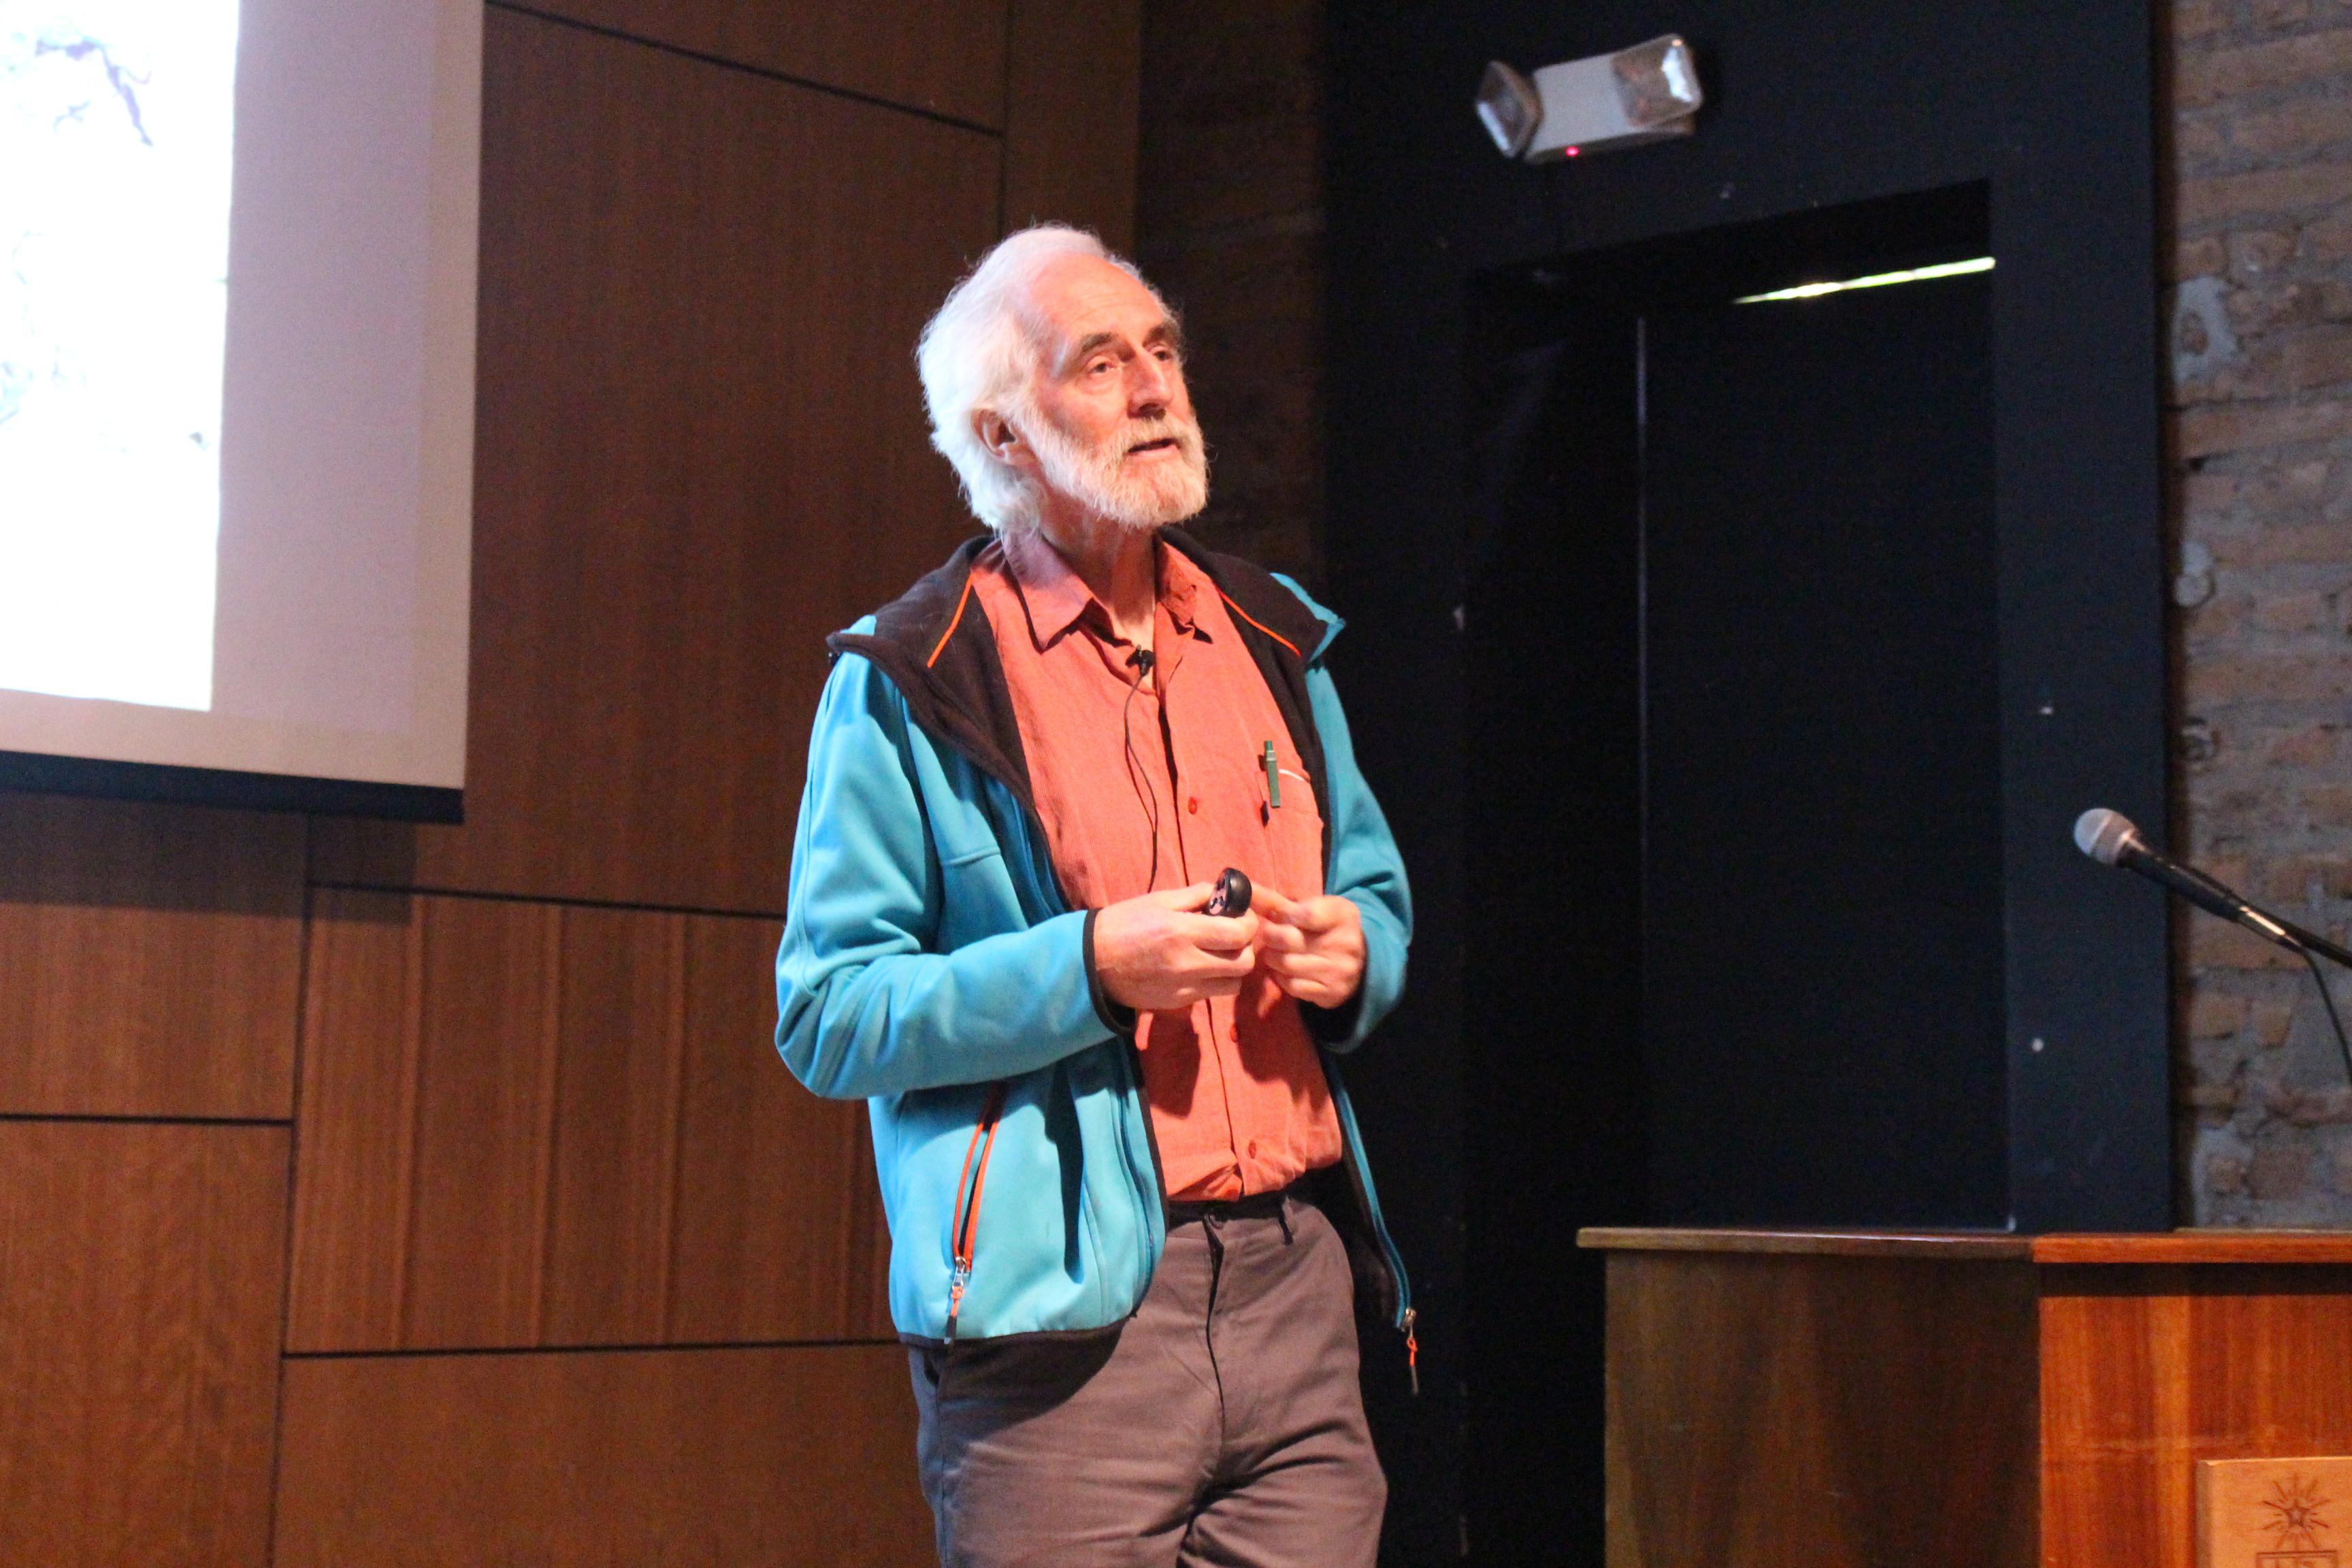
(933, 966)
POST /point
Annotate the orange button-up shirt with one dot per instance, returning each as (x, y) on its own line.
(1159, 783)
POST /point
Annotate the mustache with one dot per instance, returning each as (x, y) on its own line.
(1184, 433)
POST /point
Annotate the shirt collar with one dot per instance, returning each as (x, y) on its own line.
(1057, 598)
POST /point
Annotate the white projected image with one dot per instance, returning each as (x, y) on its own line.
(116, 143)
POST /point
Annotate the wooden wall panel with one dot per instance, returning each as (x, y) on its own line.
(700, 449)
(803, 1456)
(627, 1008)
(141, 1269)
(942, 56)
(526, 1124)
(149, 958)
(1786, 1410)
(549, 1114)
(779, 1219)
(1070, 126)
(2163, 1367)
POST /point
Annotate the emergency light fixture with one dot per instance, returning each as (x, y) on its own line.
(1646, 93)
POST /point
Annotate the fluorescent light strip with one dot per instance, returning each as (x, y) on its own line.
(1876, 280)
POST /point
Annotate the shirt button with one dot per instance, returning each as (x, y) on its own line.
(1193, 805)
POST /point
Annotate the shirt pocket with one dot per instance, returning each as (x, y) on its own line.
(1293, 832)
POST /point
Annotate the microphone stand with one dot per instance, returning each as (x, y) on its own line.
(2308, 942)
(2309, 946)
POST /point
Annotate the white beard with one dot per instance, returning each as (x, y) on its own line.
(1098, 481)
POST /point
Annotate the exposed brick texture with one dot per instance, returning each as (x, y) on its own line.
(1229, 223)
(2258, 173)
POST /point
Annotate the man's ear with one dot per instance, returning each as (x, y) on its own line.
(996, 433)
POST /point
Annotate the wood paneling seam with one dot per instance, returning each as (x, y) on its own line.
(764, 73)
(551, 1087)
(293, 1169)
(623, 906)
(674, 1124)
(1004, 162)
(412, 1066)
(124, 1119)
(613, 1347)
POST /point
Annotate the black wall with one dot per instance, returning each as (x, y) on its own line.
(1811, 104)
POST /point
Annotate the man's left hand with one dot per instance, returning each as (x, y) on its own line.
(1314, 948)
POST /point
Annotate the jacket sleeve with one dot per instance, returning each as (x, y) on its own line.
(865, 1004)
(1366, 869)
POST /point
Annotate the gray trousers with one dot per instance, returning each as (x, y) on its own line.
(1221, 1425)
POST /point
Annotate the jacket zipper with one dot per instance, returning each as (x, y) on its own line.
(970, 1184)
(1351, 1163)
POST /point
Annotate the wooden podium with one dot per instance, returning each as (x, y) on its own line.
(1970, 1400)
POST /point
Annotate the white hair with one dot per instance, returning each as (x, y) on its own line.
(978, 355)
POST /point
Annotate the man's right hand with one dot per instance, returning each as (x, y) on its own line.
(1158, 952)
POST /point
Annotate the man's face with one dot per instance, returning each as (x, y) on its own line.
(1110, 430)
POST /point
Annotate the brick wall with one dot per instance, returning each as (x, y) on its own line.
(2258, 178)
(1229, 223)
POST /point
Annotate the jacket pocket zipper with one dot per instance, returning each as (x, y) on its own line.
(969, 1184)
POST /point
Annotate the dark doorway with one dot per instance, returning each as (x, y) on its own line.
(1733, 848)
(1821, 1006)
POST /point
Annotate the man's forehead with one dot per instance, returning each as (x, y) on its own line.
(1083, 300)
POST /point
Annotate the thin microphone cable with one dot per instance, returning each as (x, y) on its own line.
(1141, 661)
(2327, 999)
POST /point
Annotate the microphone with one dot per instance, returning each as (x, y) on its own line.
(2109, 838)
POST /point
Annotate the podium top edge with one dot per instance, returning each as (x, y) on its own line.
(1971, 1243)
(2145, 1250)
(2200, 1247)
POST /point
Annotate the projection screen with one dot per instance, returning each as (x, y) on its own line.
(236, 399)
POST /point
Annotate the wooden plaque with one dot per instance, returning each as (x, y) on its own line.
(2274, 1513)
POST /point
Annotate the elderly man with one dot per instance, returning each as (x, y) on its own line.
(1129, 1214)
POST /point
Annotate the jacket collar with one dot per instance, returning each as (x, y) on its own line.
(936, 647)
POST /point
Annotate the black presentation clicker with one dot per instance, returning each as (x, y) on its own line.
(1233, 894)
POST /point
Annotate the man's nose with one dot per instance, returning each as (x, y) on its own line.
(1150, 387)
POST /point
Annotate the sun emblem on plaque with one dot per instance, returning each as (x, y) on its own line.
(2295, 1525)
